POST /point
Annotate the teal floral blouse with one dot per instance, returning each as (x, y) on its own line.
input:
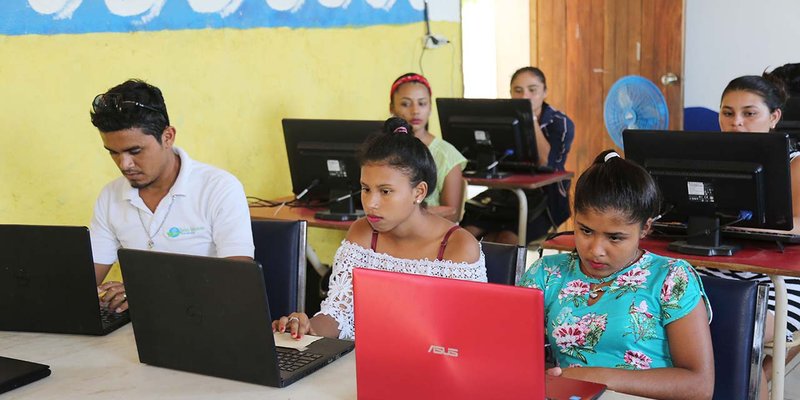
(626, 327)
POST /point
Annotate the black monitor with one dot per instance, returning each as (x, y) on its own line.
(709, 178)
(495, 135)
(790, 110)
(792, 128)
(323, 165)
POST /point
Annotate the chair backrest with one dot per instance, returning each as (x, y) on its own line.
(281, 251)
(505, 263)
(460, 206)
(737, 330)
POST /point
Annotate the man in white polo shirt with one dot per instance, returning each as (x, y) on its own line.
(164, 201)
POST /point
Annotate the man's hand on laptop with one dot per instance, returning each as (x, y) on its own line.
(296, 323)
(112, 296)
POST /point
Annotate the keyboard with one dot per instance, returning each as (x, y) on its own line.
(734, 232)
(518, 167)
(108, 318)
(744, 233)
(290, 360)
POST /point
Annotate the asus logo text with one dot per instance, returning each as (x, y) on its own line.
(439, 350)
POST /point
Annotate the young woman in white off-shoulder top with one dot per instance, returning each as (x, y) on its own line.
(398, 233)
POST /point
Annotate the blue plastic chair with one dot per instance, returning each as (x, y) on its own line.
(737, 331)
(281, 251)
(505, 263)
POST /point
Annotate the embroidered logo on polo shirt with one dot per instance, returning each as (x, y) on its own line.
(175, 231)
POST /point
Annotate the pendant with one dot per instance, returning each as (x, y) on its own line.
(595, 293)
(150, 244)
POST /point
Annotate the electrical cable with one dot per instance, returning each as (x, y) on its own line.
(505, 155)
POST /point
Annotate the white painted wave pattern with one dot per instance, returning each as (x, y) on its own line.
(147, 10)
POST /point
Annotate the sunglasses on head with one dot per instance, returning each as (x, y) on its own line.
(106, 102)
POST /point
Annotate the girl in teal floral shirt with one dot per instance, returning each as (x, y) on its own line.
(618, 315)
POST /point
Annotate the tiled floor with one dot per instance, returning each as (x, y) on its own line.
(791, 385)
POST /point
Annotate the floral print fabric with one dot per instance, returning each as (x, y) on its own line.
(626, 326)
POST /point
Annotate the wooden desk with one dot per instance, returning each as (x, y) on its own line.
(307, 214)
(297, 214)
(87, 367)
(517, 183)
(754, 256)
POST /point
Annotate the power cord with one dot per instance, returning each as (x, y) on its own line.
(253, 201)
(338, 199)
(744, 215)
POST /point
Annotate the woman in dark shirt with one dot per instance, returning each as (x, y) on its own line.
(548, 207)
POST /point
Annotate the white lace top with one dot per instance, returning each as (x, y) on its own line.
(339, 303)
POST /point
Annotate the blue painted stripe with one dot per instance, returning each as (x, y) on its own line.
(19, 18)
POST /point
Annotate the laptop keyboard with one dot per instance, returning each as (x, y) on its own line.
(108, 318)
(290, 360)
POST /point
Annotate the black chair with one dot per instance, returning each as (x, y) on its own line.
(737, 331)
(281, 251)
(505, 263)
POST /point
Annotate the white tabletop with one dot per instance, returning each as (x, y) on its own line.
(108, 367)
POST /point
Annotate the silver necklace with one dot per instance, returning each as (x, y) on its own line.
(594, 293)
(150, 242)
(599, 286)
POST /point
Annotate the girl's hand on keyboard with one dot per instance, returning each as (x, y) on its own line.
(296, 323)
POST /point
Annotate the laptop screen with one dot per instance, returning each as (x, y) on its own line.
(446, 338)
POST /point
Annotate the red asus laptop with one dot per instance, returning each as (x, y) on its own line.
(434, 338)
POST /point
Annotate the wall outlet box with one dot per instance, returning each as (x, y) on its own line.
(434, 41)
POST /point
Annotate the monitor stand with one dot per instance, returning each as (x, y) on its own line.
(484, 161)
(703, 239)
(341, 207)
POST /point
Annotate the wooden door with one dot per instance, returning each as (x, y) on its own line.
(584, 46)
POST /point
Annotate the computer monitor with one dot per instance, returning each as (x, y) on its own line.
(792, 128)
(323, 165)
(790, 120)
(709, 178)
(790, 110)
(495, 135)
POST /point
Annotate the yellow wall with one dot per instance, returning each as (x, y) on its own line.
(226, 92)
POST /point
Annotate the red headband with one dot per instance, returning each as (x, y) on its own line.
(410, 78)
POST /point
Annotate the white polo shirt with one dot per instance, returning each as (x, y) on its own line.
(205, 213)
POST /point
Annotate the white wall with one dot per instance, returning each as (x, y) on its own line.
(441, 10)
(724, 39)
(496, 39)
(730, 38)
(513, 27)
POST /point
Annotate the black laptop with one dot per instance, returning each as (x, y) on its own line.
(210, 316)
(15, 373)
(47, 282)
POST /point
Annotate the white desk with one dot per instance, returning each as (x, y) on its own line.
(108, 367)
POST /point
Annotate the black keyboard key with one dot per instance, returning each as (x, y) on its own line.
(109, 317)
(291, 360)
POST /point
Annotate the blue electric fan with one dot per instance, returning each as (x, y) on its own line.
(633, 102)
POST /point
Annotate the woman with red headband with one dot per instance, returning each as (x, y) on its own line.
(410, 99)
